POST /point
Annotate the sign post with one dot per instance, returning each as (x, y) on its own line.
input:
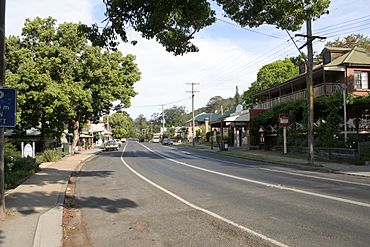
(7, 119)
(284, 122)
(7, 107)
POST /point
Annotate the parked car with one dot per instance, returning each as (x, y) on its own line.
(119, 142)
(123, 140)
(167, 141)
(111, 145)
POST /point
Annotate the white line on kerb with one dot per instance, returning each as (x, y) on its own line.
(246, 229)
(363, 204)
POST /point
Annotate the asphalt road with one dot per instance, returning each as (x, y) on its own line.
(153, 195)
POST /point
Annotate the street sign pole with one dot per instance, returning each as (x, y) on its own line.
(2, 83)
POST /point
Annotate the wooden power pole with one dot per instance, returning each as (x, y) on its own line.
(309, 86)
(192, 108)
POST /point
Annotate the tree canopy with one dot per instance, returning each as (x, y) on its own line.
(121, 125)
(174, 23)
(270, 75)
(351, 41)
(64, 81)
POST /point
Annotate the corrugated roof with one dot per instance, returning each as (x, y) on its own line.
(358, 56)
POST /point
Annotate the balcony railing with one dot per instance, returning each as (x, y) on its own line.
(319, 90)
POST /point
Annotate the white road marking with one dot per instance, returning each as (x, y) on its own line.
(363, 204)
(316, 177)
(185, 152)
(286, 172)
(246, 229)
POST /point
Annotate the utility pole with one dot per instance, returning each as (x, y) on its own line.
(2, 84)
(309, 86)
(162, 120)
(192, 108)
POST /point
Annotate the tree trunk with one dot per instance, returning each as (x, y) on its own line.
(76, 134)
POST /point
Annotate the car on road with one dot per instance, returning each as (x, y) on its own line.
(119, 142)
(111, 145)
(167, 141)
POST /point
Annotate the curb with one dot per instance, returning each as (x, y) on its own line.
(49, 228)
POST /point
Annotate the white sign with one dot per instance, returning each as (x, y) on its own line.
(28, 151)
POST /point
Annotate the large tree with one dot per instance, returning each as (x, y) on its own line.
(174, 23)
(270, 75)
(121, 125)
(62, 80)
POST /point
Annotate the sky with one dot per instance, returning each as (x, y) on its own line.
(229, 56)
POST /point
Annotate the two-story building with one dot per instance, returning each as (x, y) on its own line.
(338, 69)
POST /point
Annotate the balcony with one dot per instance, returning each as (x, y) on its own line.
(319, 90)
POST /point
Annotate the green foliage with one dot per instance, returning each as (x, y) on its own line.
(270, 75)
(215, 104)
(121, 125)
(175, 116)
(351, 41)
(174, 23)
(171, 23)
(49, 155)
(59, 75)
(18, 170)
(11, 153)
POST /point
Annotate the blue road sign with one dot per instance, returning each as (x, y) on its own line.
(8, 104)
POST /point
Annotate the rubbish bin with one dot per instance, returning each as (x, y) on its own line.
(225, 145)
(66, 148)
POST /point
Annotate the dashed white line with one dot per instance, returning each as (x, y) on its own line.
(246, 229)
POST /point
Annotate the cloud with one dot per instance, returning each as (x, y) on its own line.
(64, 11)
(217, 67)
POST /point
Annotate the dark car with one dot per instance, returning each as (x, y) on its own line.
(111, 145)
(167, 141)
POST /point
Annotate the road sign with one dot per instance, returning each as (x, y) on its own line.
(7, 107)
(283, 120)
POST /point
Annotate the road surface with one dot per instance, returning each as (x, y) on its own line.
(152, 195)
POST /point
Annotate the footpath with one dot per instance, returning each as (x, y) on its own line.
(35, 208)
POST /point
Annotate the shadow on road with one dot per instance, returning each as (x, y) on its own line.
(2, 237)
(106, 204)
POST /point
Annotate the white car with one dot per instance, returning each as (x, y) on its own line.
(111, 145)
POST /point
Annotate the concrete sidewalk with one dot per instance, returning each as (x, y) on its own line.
(35, 208)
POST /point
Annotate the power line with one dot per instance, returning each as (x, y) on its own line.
(248, 29)
(157, 105)
(321, 29)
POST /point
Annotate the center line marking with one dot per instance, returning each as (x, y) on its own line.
(334, 198)
(246, 229)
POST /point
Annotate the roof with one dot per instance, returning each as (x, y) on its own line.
(357, 56)
(200, 118)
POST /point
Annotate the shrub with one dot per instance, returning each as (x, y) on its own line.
(49, 155)
(10, 153)
(20, 170)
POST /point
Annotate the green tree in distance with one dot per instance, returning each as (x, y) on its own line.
(62, 80)
(121, 124)
(174, 23)
(270, 75)
(351, 41)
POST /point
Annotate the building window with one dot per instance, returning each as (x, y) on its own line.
(326, 57)
(361, 80)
